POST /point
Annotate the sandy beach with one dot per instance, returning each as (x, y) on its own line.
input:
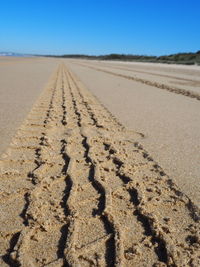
(168, 120)
(99, 163)
(21, 82)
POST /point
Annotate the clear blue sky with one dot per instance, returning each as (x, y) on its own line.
(151, 27)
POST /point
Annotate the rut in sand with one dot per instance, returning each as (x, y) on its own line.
(77, 189)
(172, 89)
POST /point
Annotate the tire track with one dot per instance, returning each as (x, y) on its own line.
(110, 215)
(31, 218)
(105, 214)
(95, 213)
(31, 200)
(106, 116)
(154, 74)
(166, 87)
(16, 185)
(156, 238)
(82, 191)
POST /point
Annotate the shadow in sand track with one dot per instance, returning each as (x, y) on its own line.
(7, 258)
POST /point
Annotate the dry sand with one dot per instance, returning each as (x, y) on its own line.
(21, 81)
(78, 189)
(167, 115)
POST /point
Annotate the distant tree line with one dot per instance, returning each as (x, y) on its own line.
(180, 58)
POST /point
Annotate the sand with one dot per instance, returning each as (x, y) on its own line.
(169, 120)
(21, 82)
(79, 189)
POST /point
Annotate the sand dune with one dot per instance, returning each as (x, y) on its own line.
(78, 189)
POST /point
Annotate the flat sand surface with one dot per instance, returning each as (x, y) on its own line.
(21, 82)
(77, 188)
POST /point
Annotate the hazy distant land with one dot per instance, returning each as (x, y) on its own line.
(179, 58)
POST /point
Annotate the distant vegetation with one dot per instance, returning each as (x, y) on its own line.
(180, 58)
